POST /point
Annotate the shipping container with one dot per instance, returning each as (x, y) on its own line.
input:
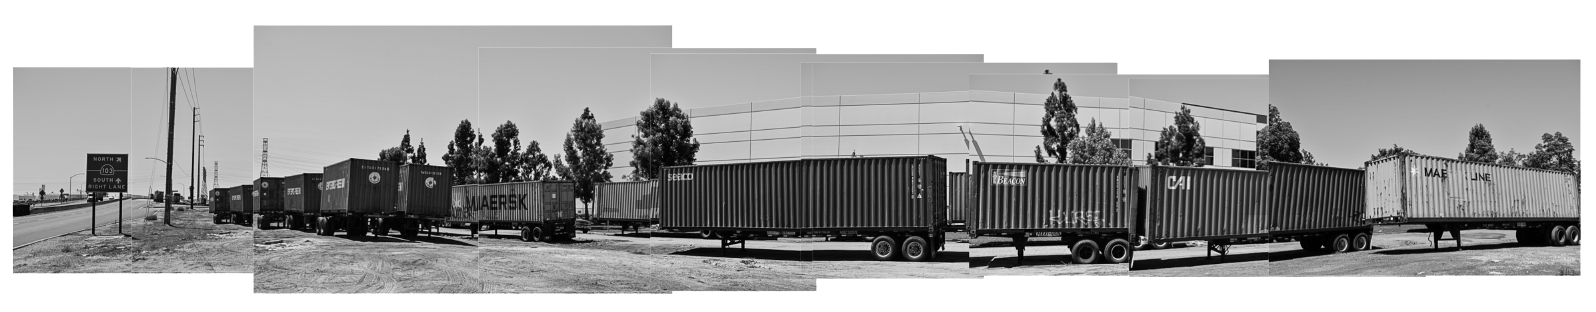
(268, 205)
(1091, 208)
(1319, 207)
(756, 196)
(1190, 203)
(241, 203)
(876, 193)
(360, 187)
(460, 212)
(424, 190)
(1449, 195)
(302, 199)
(220, 204)
(540, 210)
(627, 203)
(958, 199)
(901, 201)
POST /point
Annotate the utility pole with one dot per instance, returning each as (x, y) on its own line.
(171, 130)
(193, 156)
(204, 174)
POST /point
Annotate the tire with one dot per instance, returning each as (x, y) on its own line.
(1571, 235)
(1162, 245)
(1311, 244)
(1360, 242)
(288, 221)
(1084, 252)
(884, 248)
(381, 228)
(1525, 237)
(1554, 236)
(321, 226)
(704, 235)
(915, 249)
(1339, 243)
(1116, 251)
(526, 234)
(537, 234)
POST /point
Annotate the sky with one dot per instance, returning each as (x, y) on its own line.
(324, 94)
(904, 77)
(543, 90)
(59, 116)
(1345, 110)
(224, 98)
(1109, 86)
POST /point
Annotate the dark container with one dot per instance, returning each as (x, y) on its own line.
(360, 186)
(876, 193)
(269, 195)
(20, 210)
(752, 196)
(220, 201)
(241, 199)
(424, 190)
(302, 193)
(627, 201)
(1012, 198)
(958, 196)
(1186, 203)
(1308, 198)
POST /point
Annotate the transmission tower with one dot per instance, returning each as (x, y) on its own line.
(263, 172)
(216, 168)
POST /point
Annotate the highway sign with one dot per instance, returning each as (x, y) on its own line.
(106, 173)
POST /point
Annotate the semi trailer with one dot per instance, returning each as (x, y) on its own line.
(1090, 208)
(541, 211)
(423, 201)
(1322, 208)
(220, 211)
(958, 201)
(1220, 206)
(268, 199)
(1450, 196)
(354, 192)
(630, 204)
(241, 204)
(301, 199)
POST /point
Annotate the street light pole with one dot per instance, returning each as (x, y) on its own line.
(69, 179)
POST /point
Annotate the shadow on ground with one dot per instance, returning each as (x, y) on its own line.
(1154, 264)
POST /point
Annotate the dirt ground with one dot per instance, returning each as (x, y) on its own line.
(1243, 260)
(290, 261)
(191, 245)
(1396, 252)
(996, 256)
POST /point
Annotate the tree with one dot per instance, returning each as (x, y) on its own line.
(1394, 150)
(664, 138)
(504, 164)
(1479, 148)
(481, 160)
(1277, 141)
(1181, 144)
(1096, 148)
(586, 161)
(458, 157)
(420, 158)
(393, 154)
(1059, 126)
(535, 165)
(1554, 153)
(1512, 158)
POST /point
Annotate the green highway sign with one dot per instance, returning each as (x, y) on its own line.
(106, 173)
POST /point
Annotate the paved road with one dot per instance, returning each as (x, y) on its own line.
(26, 229)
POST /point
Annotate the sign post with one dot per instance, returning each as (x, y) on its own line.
(106, 173)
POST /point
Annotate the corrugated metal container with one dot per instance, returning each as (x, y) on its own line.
(302, 193)
(268, 196)
(1020, 197)
(1418, 189)
(522, 201)
(1186, 203)
(460, 209)
(627, 201)
(755, 195)
(241, 199)
(1305, 198)
(220, 204)
(876, 193)
(958, 196)
(360, 186)
(424, 190)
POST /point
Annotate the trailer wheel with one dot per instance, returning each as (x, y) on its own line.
(379, 227)
(321, 226)
(1084, 252)
(916, 249)
(884, 248)
(703, 234)
(1555, 235)
(537, 234)
(1360, 242)
(1341, 243)
(1311, 244)
(1571, 235)
(1117, 251)
(1160, 245)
